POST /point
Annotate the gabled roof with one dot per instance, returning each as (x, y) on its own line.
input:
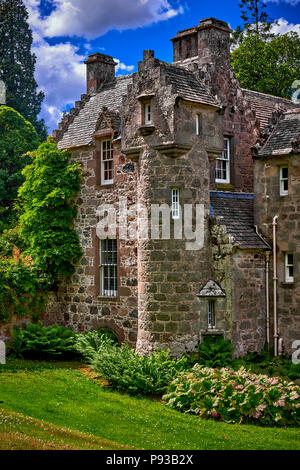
(285, 136)
(235, 212)
(264, 105)
(80, 131)
(187, 86)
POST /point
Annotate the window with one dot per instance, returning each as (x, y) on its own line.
(289, 267)
(175, 203)
(211, 323)
(107, 162)
(147, 113)
(223, 164)
(198, 122)
(108, 268)
(284, 181)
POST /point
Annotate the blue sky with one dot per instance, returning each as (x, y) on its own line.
(67, 31)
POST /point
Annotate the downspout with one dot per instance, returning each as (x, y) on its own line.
(267, 286)
(268, 295)
(275, 279)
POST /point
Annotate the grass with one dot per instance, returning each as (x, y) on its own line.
(61, 394)
(19, 432)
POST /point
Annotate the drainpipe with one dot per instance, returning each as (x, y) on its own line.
(267, 285)
(275, 279)
(268, 295)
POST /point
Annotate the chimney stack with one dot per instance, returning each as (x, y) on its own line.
(210, 41)
(100, 70)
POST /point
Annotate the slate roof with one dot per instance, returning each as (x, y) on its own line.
(285, 132)
(235, 211)
(264, 105)
(187, 86)
(80, 131)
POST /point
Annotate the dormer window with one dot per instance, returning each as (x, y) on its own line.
(148, 117)
(107, 162)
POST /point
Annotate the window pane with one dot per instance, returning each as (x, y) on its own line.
(108, 267)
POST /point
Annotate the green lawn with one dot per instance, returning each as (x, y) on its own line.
(62, 395)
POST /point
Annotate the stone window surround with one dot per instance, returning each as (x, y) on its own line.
(282, 191)
(227, 139)
(104, 135)
(287, 278)
(96, 245)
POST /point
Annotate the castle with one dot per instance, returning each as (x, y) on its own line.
(186, 134)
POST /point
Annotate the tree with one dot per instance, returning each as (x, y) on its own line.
(49, 209)
(17, 63)
(257, 22)
(17, 137)
(268, 66)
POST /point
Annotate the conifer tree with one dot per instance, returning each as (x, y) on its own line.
(257, 22)
(17, 63)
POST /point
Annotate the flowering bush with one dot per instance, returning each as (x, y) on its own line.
(23, 287)
(235, 396)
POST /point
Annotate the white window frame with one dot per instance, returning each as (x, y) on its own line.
(107, 155)
(287, 266)
(211, 315)
(148, 113)
(284, 192)
(198, 124)
(108, 267)
(225, 157)
(175, 203)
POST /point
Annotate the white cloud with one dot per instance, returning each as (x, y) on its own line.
(60, 71)
(291, 2)
(91, 18)
(283, 27)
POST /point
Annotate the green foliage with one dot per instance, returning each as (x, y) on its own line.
(48, 200)
(265, 363)
(17, 137)
(17, 63)
(235, 396)
(268, 66)
(9, 239)
(256, 21)
(36, 340)
(128, 372)
(215, 351)
(23, 287)
(90, 343)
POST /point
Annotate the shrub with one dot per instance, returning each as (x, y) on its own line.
(215, 351)
(235, 396)
(92, 342)
(23, 287)
(126, 371)
(38, 341)
(48, 198)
